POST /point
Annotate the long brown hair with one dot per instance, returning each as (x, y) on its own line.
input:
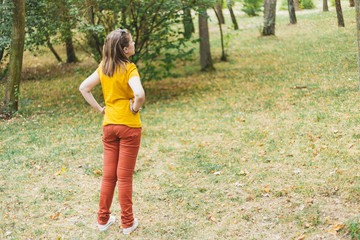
(114, 58)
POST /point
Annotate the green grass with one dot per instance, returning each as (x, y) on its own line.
(238, 153)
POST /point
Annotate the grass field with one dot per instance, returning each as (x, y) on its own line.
(239, 153)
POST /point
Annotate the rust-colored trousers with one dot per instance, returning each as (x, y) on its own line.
(121, 146)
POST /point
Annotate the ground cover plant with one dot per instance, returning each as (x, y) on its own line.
(265, 147)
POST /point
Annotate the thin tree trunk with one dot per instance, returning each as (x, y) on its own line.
(188, 23)
(223, 56)
(269, 17)
(205, 54)
(292, 14)
(50, 46)
(123, 15)
(11, 102)
(219, 12)
(325, 6)
(352, 3)
(93, 40)
(233, 18)
(339, 14)
(297, 5)
(1, 54)
(357, 10)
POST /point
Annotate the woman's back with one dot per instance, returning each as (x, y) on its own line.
(117, 93)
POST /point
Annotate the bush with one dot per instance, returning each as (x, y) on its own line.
(252, 7)
(303, 4)
(283, 5)
(306, 4)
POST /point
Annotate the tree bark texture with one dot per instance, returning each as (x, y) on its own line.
(219, 12)
(339, 13)
(188, 23)
(223, 56)
(12, 92)
(269, 17)
(325, 6)
(70, 52)
(292, 14)
(352, 3)
(205, 54)
(233, 18)
(357, 11)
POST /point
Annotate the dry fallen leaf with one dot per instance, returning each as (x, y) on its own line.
(267, 189)
(239, 120)
(336, 227)
(302, 237)
(55, 216)
(171, 167)
(261, 154)
(213, 219)
(244, 172)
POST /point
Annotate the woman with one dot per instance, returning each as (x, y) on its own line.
(124, 96)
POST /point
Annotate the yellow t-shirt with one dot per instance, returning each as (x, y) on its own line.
(117, 95)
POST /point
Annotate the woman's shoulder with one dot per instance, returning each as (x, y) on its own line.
(130, 65)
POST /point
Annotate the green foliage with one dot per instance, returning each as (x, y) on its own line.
(303, 4)
(306, 4)
(252, 7)
(353, 228)
(332, 3)
(5, 29)
(283, 5)
(42, 23)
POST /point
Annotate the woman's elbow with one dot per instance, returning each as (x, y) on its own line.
(83, 89)
(140, 96)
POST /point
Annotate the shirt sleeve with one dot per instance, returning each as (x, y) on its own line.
(133, 72)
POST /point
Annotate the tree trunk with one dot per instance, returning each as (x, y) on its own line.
(223, 56)
(292, 14)
(357, 10)
(50, 46)
(188, 23)
(93, 40)
(297, 5)
(1, 54)
(233, 18)
(70, 52)
(269, 17)
(67, 35)
(352, 3)
(11, 103)
(339, 14)
(219, 11)
(205, 54)
(123, 15)
(325, 6)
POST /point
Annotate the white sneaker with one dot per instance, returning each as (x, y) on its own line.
(107, 225)
(129, 230)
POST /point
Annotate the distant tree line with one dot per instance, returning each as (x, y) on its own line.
(30, 24)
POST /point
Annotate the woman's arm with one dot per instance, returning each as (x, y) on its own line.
(139, 94)
(85, 89)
